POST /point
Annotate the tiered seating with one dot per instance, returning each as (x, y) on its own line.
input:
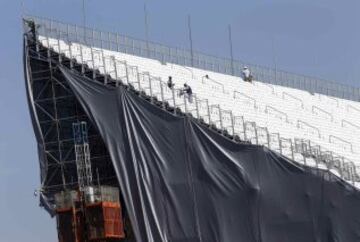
(293, 113)
(331, 123)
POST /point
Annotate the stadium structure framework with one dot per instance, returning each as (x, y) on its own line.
(54, 107)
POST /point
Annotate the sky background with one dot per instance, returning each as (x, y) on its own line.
(313, 37)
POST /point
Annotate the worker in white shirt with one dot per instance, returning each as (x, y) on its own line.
(247, 74)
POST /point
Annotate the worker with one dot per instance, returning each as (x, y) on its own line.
(187, 91)
(32, 29)
(170, 84)
(247, 74)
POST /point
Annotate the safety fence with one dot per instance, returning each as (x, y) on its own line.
(181, 56)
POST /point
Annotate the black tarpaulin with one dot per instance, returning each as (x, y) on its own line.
(182, 182)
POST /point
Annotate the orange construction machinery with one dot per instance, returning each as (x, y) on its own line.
(91, 215)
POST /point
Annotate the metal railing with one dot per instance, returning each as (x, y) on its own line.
(334, 99)
(181, 56)
(285, 94)
(208, 79)
(316, 110)
(343, 122)
(333, 137)
(269, 109)
(302, 124)
(247, 97)
(118, 71)
(348, 107)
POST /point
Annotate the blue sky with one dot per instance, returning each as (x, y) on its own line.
(314, 37)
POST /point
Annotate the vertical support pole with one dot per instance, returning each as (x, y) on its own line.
(268, 138)
(67, 34)
(350, 172)
(309, 146)
(101, 42)
(256, 133)
(51, 23)
(127, 74)
(37, 43)
(117, 42)
(244, 128)
(197, 107)
(292, 150)
(191, 41)
(69, 45)
(109, 41)
(116, 72)
(299, 148)
(48, 49)
(162, 93)
(328, 161)
(220, 116)
(304, 150)
(342, 167)
(347, 169)
(133, 47)
(138, 78)
(93, 62)
(174, 101)
(92, 38)
(185, 104)
(84, 20)
(274, 60)
(232, 124)
(280, 144)
(317, 158)
(76, 34)
(104, 64)
(208, 110)
(231, 51)
(125, 45)
(58, 43)
(355, 173)
(146, 30)
(82, 60)
(150, 85)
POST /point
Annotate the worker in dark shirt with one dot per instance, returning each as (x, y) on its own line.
(31, 29)
(170, 83)
(188, 92)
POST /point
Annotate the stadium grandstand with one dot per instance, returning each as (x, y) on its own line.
(314, 123)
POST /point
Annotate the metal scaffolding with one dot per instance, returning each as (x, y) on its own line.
(82, 155)
(54, 109)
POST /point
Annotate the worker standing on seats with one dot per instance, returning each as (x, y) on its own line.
(187, 91)
(247, 74)
(170, 84)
